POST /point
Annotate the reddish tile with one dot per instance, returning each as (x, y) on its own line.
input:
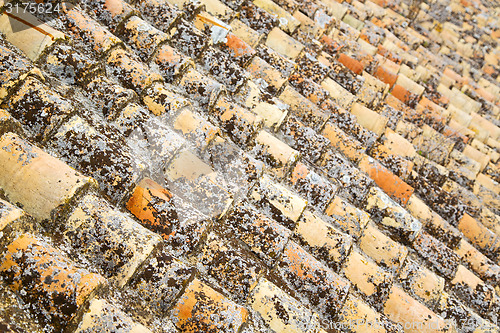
(49, 283)
(351, 63)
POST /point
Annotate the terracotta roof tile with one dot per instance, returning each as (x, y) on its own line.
(39, 197)
(202, 309)
(50, 284)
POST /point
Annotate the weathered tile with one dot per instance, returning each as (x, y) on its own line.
(171, 63)
(108, 96)
(130, 72)
(86, 30)
(479, 263)
(161, 12)
(479, 235)
(193, 127)
(14, 68)
(275, 153)
(438, 254)
(390, 183)
(356, 317)
(9, 124)
(143, 37)
(52, 184)
(265, 237)
(93, 153)
(109, 240)
(421, 283)
(303, 108)
(308, 88)
(369, 278)
(351, 219)
(104, 316)
(51, 285)
(195, 181)
(202, 309)
(355, 184)
(316, 190)
(257, 18)
(339, 140)
(284, 65)
(201, 88)
(189, 40)
(155, 289)
(403, 309)
(13, 315)
(285, 20)
(283, 43)
(39, 108)
(234, 267)
(247, 34)
(382, 249)
(322, 239)
(266, 76)
(280, 203)
(161, 100)
(280, 311)
(220, 65)
(110, 13)
(312, 282)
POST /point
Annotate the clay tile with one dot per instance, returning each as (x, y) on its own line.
(104, 316)
(382, 249)
(369, 278)
(351, 63)
(323, 240)
(233, 266)
(9, 124)
(110, 12)
(339, 140)
(189, 40)
(247, 34)
(269, 78)
(390, 183)
(314, 188)
(194, 180)
(311, 68)
(350, 219)
(38, 108)
(304, 109)
(55, 183)
(479, 263)
(110, 240)
(194, 128)
(308, 88)
(284, 44)
(220, 65)
(32, 42)
(48, 282)
(161, 100)
(156, 286)
(108, 96)
(265, 237)
(312, 282)
(275, 153)
(403, 309)
(71, 66)
(338, 94)
(13, 221)
(13, 69)
(84, 28)
(479, 235)
(143, 37)
(130, 72)
(280, 311)
(153, 206)
(358, 317)
(240, 123)
(202, 309)
(161, 12)
(345, 77)
(202, 89)
(256, 18)
(421, 283)
(438, 254)
(13, 313)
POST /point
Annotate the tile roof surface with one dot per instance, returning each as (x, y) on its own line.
(250, 166)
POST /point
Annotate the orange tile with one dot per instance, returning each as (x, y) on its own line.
(89, 31)
(151, 204)
(386, 76)
(478, 234)
(367, 276)
(351, 148)
(390, 183)
(402, 94)
(202, 309)
(239, 49)
(46, 280)
(351, 63)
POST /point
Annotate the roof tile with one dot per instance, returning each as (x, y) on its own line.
(50, 284)
(202, 309)
(52, 183)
